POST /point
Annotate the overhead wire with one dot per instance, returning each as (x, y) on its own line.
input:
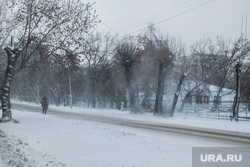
(186, 11)
(98, 27)
(109, 28)
(178, 14)
(173, 12)
(146, 20)
(157, 15)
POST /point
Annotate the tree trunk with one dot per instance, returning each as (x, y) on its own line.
(248, 104)
(125, 101)
(93, 93)
(184, 101)
(118, 101)
(160, 90)
(13, 53)
(132, 89)
(216, 100)
(191, 91)
(177, 93)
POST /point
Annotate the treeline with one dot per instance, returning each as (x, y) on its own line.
(62, 52)
(122, 74)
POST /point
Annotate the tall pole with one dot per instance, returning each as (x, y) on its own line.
(237, 96)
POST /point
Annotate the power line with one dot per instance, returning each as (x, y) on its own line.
(110, 28)
(196, 7)
(171, 11)
(104, 31)
(157, 15)
(178, 8)
(181, 13)
(98, 27)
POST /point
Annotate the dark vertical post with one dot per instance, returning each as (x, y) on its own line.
(160, 89)
(177, 93)
(237, 93)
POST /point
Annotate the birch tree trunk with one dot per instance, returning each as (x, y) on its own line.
(13, 52)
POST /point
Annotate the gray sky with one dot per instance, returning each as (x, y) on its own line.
(190, 20)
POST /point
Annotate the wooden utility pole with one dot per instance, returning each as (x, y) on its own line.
(237, 94)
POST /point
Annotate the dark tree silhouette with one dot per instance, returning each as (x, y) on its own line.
(13, 52)
(127, 54)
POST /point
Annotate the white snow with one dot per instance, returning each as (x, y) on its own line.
(1, 163)
(48, 140)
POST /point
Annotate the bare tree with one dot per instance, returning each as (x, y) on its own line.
(233, 54)
(60, 25)
(13, 52)
(98, 55)
(7, 25)
(159, 48)
(181, 68)
(223, 78)
(127, 55)
(53, 23)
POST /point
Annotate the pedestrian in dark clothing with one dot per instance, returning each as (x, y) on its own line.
(45, 104)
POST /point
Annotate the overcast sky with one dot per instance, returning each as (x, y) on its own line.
(189, 20)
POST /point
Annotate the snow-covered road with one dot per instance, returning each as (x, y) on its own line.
(99, 138)
(208, 133)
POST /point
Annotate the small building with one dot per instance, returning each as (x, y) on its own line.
(200, 95)
(206, 98)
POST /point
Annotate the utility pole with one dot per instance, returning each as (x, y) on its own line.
(237, 94)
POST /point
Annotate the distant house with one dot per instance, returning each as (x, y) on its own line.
(209, 93)
(205, 95)
(200, 95)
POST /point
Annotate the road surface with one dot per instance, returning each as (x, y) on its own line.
(203, 133)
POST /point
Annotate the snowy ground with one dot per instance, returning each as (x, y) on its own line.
(47, 140)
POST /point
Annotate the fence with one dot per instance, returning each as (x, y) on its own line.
(222, 109)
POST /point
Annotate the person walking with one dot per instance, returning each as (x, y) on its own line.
(45, 104)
